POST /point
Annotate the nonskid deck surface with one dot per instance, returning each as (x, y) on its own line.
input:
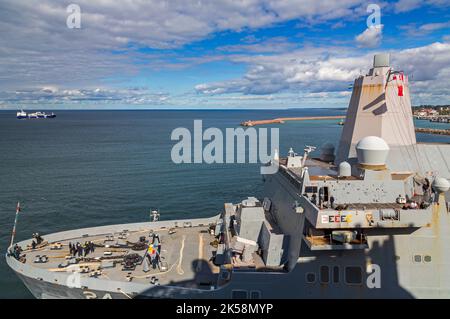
(187, 253)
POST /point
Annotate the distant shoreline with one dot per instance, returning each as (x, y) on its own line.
(199, 109)
(178, 109)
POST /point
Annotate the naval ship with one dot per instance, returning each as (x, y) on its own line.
(36, 115)
(367, 219)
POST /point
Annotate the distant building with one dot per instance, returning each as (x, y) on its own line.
(433, 112)
(426, 112)
(421, 113)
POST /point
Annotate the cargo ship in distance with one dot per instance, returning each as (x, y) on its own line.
(35, 115)
(368, 219)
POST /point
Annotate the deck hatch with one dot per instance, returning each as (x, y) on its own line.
(336, 278)
(310, 278)
(353, 275)
(324, 274)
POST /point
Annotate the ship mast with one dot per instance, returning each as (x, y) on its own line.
(15, 224)
(380, 106)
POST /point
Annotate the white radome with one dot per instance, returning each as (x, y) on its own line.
(345, 169)
(441, 185)
(372, 150)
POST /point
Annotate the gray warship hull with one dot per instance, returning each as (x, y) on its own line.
(401, 277)
(371, 222)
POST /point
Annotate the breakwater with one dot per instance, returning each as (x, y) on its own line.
(250, 123)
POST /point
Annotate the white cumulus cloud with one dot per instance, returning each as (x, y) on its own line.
(315, 70)
(371, 37)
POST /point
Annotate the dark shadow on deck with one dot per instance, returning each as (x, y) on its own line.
(203, 279)
(380, 253)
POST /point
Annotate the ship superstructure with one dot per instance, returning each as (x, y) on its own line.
(368, 220)
(21, 114)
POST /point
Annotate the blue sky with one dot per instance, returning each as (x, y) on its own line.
(215, 54)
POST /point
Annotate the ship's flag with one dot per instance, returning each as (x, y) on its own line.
(394, 77)
(400, 90)
(401, 76)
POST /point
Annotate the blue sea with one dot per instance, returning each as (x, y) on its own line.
(91, 168)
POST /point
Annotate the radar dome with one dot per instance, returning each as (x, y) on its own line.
(345, 169)
(372, 150)
(327, 152)
(441, 185)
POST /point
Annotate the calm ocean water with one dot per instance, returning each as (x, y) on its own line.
(90, 168)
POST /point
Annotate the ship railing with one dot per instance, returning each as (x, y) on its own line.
(326, 242)
(226, 231)
(291, 178)
(226, 268)
(328, 239)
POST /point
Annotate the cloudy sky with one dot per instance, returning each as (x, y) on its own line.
(215, 53)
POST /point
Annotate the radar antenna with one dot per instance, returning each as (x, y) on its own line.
(154, 215)
(308, 149)
(291, 152)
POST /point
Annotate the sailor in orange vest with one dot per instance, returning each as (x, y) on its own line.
(153, 253)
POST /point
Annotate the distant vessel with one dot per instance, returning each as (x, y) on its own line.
(35, 115)
(21, 115)
(440, 119)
